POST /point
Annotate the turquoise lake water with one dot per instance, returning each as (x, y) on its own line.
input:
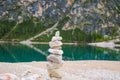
(38, 52)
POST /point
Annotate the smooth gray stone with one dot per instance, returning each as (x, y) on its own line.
(55, 43)
(51, 65)
(54, 58)
(55, 51)
(54, 38)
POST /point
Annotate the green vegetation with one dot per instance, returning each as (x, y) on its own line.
(5, 27)
(105, 19)
(31, 27)
(113, 32)
(44, 38)
(24, 30)
(62, 22)
(96, 37)
(77, 36)
(117, 42)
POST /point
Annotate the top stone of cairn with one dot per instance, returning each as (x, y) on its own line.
(57, 34)
(57, 37)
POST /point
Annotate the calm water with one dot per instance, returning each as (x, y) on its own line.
(38, 52)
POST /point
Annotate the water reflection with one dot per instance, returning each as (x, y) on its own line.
(19, 53)
(89, 53)
(38, 52)
(36, 49)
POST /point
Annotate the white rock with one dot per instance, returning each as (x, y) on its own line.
(55, 51)
(27, 72)
(33, 77)
(55, 73)
(54, 38)
(55, 43)
(57, 34)
(8, 76)
(51, 65)
(57, 47)
(55, 59)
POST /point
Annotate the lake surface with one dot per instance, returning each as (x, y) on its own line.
(38, 52)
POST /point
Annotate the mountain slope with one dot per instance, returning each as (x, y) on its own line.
(99, 17)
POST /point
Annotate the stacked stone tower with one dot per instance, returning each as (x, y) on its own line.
(55, 58)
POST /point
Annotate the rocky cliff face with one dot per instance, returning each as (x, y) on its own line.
(99, 16)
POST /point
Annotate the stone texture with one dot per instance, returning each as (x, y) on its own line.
(56, 38)
(55, 51)
(77, 10)
(54, 73)
(57, 47)
(55, 43)
(55, 58)
(51, 65)
(8, 76)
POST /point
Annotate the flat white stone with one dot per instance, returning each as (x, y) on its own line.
(57, 34)
(51, 65)
(55, 59)
(55, 51)
(11, 76)
(55, 43)
(32, 77)
(57, 47)
(54, 38)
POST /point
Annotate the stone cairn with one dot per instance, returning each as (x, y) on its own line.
(55, 58)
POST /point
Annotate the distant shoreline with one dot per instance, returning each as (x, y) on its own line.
(8, 42)
(108, 44)
(26, 42)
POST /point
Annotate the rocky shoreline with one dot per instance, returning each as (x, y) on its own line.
(109, 44)
(72, 70)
